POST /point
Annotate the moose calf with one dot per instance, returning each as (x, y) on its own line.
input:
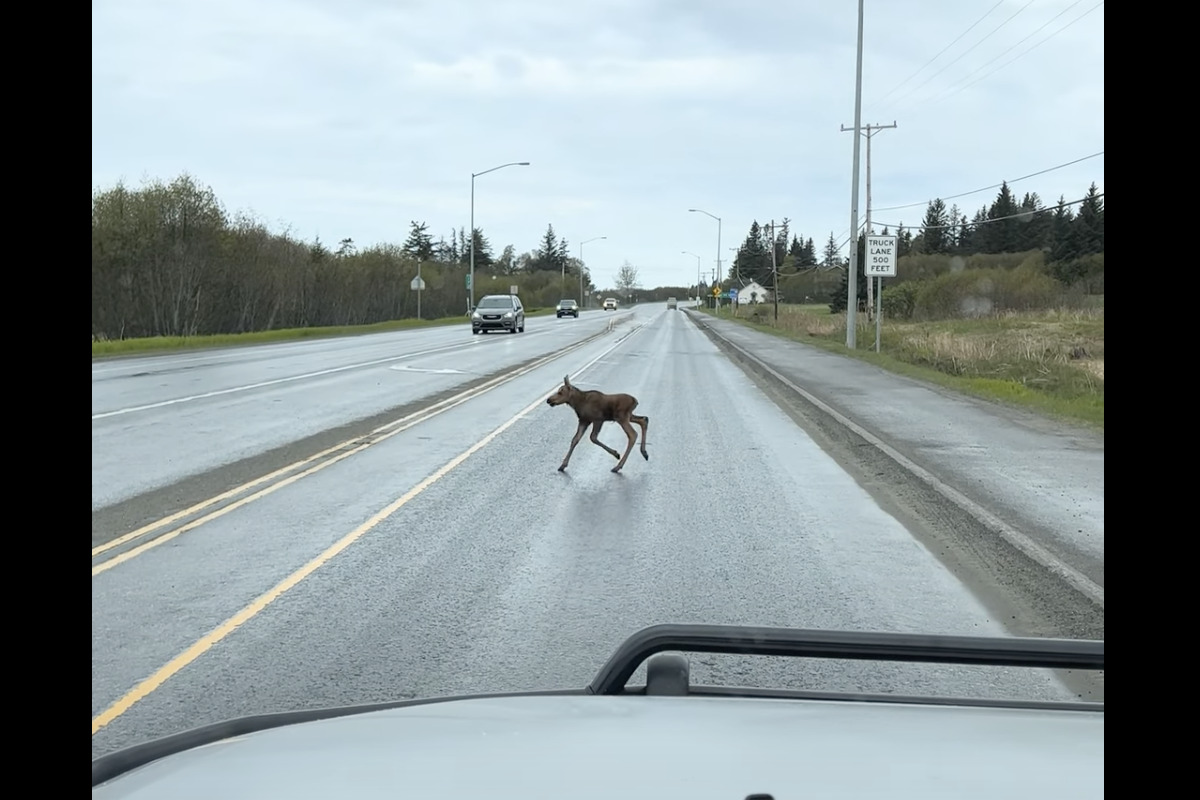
(595, 408)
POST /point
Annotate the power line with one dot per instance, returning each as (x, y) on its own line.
(969, 49)
(944, 49)
(981, 66)
(1026, 214)
(994, 186)
(1025, 52)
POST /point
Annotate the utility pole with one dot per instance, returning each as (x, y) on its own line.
(852, 277)
(774, 271)
(871, 130)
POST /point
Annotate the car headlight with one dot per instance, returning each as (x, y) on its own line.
(508, 314)
(475, 315)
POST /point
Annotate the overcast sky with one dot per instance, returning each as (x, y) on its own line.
(351, 118)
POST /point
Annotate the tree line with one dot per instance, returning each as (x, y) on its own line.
(1004, 226)
(169, 260)
(1067, 234)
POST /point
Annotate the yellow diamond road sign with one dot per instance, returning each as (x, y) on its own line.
(716, 291)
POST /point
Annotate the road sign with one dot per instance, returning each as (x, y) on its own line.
(733, 294)
(512, 290)
(716, 292)
(881, 257)
(418, 284)
(468, 280)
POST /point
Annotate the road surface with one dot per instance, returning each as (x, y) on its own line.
(445, 554)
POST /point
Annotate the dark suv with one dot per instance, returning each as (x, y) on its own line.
(498, 312)
(567, 308)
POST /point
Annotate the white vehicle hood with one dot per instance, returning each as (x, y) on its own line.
(623, 747)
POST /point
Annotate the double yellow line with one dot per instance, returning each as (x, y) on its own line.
(275, 481)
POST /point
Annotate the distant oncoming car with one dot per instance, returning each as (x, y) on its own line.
(669, 738)
(498, 312)
(610, 304)
(567, 308)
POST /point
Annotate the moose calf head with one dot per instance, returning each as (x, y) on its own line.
(564, 393)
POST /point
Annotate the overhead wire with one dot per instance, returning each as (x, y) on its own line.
(944, 49)
(993, 186)
(1005, 52)
(1024, 214)
(961, 55)
(1024, 52)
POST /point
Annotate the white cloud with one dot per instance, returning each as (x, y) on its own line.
(351, 118)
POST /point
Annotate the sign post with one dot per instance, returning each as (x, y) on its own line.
(418, 286)
(469, 292)
(881, 263)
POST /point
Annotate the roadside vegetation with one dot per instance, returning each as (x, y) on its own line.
(172, 268)
(1009, 307)
(115, 347)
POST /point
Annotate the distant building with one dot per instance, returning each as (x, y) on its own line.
(752, 292)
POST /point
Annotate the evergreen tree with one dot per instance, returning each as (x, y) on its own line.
(904, 241)
(810, 254)
(1062, 246)
(1001, 234)
(1087, 230)
(933, 228)
(483, 251)
(954, 220)
(546, 256)
(1034, 230)
(753, 260)
(830, 259)
(419, 245)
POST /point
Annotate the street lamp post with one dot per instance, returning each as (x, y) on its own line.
(718, 219)
(690, 253)
(581, 244)
(474, 175)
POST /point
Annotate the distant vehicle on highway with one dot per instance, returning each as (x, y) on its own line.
(671, 303)
(498, 312)
(610, 304)
(671, 737)
(567, 308)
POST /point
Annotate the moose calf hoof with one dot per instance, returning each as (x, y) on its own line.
(563, 468)
(646, 456)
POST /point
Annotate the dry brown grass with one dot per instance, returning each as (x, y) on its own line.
(1055, 354)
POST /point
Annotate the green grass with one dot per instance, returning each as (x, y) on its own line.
(115, 347)
(1051, 362)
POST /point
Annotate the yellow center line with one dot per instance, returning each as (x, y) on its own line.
(405, 422)
(201, 647)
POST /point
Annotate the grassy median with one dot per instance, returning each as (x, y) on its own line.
(114, 347)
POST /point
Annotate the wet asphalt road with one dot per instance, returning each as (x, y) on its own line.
(158, 419)
(1044, 478)
(504, 574)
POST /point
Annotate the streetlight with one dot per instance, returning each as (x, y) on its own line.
(474, 175)
(690, 253)
(581, 244)
(718, 219)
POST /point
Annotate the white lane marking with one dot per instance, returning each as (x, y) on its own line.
(406, 368)
(277, 381)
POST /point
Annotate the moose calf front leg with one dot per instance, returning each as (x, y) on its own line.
(574, 441)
